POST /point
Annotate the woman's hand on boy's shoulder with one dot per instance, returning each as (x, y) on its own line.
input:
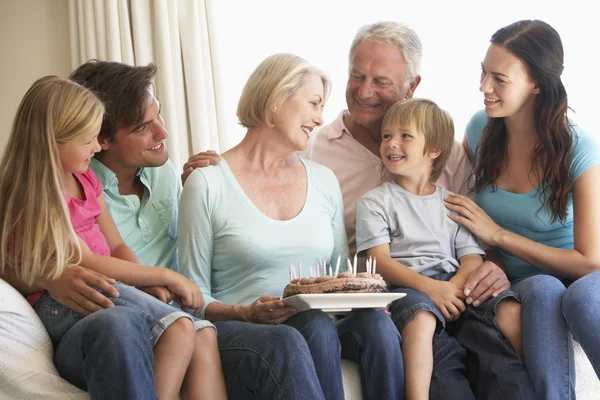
(487, 281)
(76, 289)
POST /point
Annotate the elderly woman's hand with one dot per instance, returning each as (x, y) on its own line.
(268, 310)
(473, 218)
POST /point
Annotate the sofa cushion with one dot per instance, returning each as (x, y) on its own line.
(26, 367)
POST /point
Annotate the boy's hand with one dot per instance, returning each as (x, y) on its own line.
(446, 297)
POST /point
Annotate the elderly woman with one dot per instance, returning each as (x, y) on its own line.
(242, 222)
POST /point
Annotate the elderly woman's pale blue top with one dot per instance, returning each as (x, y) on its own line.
(235, 253)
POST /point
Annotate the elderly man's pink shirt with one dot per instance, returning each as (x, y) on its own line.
(358, 170)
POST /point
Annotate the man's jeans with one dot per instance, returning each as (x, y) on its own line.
(368, 337)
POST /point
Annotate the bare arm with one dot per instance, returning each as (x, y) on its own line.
(264, 310)
(574, 263)
(397, 274)
(468, 264)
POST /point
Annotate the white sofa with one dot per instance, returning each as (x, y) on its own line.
(27, 371)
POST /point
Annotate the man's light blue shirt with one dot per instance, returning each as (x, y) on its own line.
(148, 227)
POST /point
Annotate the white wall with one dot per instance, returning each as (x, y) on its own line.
(455, 36)
(34, 41)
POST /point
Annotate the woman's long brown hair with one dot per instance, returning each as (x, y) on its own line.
(539, 47)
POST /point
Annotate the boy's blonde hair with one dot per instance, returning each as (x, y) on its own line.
(36, 235)
(430, 120)
(272, 82)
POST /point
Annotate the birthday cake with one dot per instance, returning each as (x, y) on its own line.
(344, 282)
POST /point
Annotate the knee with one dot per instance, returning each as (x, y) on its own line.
(113, 324)
(288, 340)
(183, 332)
(508, 310)
(540, 290)
(207, 338)
(424, 320)
(581, 297)
(318, 323)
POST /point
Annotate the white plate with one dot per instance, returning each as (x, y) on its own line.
(341, 302)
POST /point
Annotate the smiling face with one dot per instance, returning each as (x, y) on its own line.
(139, 145)
(75, 155)
(402, 151)
(302, 112)
(505, 84)
(377, 80)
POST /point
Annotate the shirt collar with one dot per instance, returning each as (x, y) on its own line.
(105, 175)
(338, 127)
(108, 178)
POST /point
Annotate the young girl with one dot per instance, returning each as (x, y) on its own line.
(404, 225)
(536, 202)
(53, 216)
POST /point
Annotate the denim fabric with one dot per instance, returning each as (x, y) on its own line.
(266, 362)
(368, 337)
(581, 309)
(471, 358)
(320, 333)
(493, 368)
(547, 341)
(404, 309)
(109, 354)
(58, 319)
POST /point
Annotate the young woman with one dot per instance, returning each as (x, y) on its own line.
(536, 200)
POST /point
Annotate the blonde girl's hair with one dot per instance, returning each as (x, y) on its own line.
(272, 82)
(430, 120)
(37, 239)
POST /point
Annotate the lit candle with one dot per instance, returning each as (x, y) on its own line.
(310, 271)
(299, 270)
(330, 271)
(318, 267)
(324, 266)
(337, 266)
(374, 264)
(354, 269)
(349, 264)
(291, 272)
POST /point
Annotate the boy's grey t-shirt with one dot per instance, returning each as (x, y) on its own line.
(418, 229)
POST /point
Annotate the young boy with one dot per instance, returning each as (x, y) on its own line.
(404, 224)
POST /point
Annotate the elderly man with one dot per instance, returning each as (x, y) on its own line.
(384, 67)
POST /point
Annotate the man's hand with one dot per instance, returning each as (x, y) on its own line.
(485, 282)
(75, 289)
(199, 160)
(160, 292)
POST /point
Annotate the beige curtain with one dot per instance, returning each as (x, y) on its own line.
(175, 35)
